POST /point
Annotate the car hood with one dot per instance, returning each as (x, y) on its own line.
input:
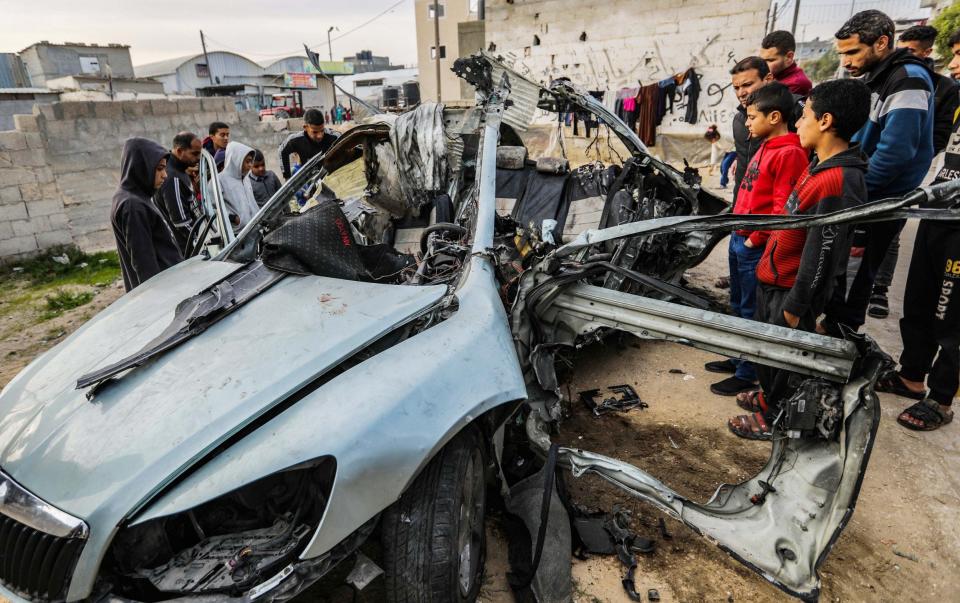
(156, 421)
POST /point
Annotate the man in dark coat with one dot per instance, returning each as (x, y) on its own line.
(145, 243)
(177, 198)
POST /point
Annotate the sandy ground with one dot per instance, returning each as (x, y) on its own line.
(903, 543)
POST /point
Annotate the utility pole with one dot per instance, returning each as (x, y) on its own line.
(436, 42)
(853, 6)
(766, 23)
(773, 20)
(329, 46)
(796, 14)
(206, 57)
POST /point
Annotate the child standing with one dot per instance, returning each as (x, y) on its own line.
(263, 181)
(769, 179)
(799, 267)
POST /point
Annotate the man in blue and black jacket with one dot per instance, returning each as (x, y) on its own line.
(898, 139)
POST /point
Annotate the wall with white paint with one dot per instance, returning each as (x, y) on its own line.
(627, 41)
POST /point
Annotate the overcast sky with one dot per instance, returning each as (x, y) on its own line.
(160, 30)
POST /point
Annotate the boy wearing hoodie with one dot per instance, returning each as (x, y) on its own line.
(799, 267)
(145, 243)
(264, 182)
(770, 177)
(236, 185)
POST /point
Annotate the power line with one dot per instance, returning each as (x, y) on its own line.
(264, 55)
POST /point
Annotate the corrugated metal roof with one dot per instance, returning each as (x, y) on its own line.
(164, 67)
(13, 74)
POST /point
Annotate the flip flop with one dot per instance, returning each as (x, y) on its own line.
(890, 383)
(750, 427)
(929, 412)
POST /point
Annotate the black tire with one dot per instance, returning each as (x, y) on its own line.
(425, 532)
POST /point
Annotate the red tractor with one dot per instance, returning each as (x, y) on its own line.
(284, 106)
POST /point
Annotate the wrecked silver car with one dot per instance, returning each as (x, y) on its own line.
(368, 353)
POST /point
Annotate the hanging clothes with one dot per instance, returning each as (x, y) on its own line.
(668, 88)
(692, 84)
(648, 100)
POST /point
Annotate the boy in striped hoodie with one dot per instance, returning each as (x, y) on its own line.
(799, 267)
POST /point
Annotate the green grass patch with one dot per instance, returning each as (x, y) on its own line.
(65, 265)
(64, 300)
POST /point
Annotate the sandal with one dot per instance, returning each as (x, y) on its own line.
(928, 412)
(750, 427)
(752, 401)
(891, 383)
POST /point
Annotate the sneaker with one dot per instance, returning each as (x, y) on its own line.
(721, 366)
(731, 386)
(878, 308)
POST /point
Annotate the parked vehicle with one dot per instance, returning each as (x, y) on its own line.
(241, 423)
(284, 106)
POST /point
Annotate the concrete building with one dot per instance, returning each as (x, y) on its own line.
(17, 101)
(45, 61)
(106, 86)
(369, 86)
(253, 85)
(365, 62)
(451, 14)
(813, 50)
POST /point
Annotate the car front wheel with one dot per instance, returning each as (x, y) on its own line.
(434, 543)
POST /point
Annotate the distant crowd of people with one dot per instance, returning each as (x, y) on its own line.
(159, 202)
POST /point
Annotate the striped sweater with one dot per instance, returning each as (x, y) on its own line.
(898, 137)
(806, 261)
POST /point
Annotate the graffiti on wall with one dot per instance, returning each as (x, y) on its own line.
(599, 66)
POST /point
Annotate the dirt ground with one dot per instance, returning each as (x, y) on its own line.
(903, 543)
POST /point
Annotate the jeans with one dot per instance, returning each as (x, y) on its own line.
(743, 290)
(725, 164)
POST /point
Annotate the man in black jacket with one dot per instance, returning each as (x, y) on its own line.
(145, 243)
(313, 140)
(749, 74)
(177, 198)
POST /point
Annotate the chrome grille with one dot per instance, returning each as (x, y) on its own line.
(39, 544)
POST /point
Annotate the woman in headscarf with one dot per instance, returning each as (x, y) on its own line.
(235, 182)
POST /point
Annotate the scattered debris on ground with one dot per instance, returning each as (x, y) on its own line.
(625, 398)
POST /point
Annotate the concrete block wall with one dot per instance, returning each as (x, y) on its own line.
(632, 42)
(60, 166)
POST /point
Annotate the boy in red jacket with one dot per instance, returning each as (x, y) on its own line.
(799, 267)
(770, 176)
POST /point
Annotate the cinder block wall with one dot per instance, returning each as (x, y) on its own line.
(60, 166)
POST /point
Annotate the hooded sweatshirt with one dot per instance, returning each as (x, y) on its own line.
(145, 243)
(898, 137)
(264, 186)
(806, 261)
(768, 181)
(237, 190)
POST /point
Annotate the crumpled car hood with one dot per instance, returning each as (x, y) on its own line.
(156, 421)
